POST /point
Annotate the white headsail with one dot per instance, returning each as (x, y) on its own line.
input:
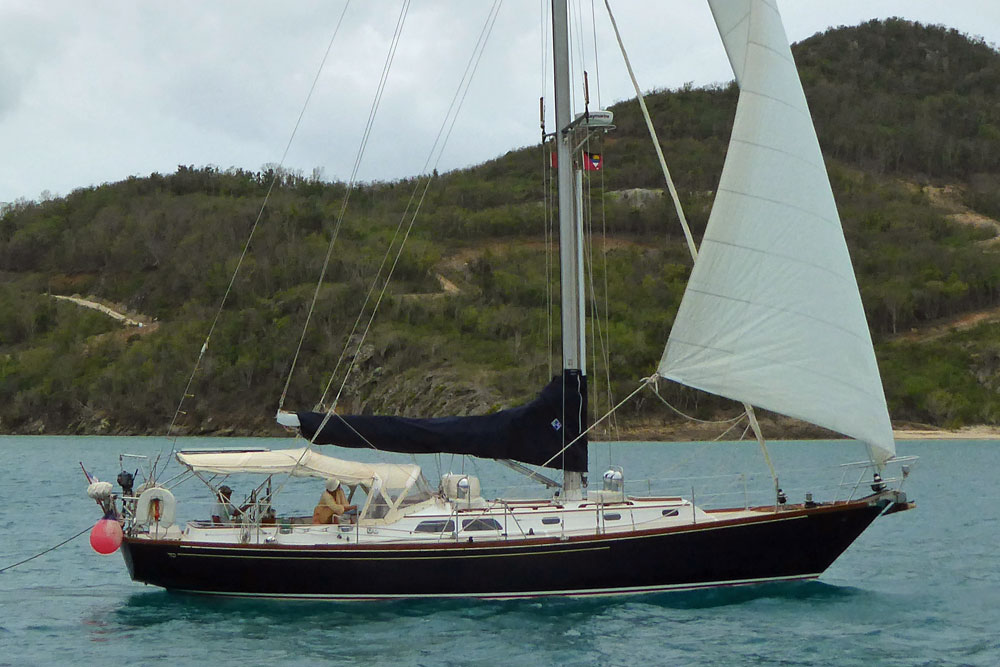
(772, 315)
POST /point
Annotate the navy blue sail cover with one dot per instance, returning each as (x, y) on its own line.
(531, 433)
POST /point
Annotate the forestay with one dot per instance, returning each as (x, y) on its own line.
(772, 315)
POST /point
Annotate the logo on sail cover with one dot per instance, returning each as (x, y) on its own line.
(556, 424)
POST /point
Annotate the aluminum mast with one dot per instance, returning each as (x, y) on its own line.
(570, 233)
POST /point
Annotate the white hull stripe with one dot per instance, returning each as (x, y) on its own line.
(592, 592)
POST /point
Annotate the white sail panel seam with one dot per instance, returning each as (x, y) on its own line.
(781, 55)
(795, 414)
(677, 376)
(746, 47)
(775, 309)
(785, 204)
(735, 25)
(809, 163)
(767, 253)
(783, 102)
(726, 34)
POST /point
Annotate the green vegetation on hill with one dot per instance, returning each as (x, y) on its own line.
(898, 107)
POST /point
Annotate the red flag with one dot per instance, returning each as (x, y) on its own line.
(592, 161)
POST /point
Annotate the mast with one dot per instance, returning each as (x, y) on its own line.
(570, 237)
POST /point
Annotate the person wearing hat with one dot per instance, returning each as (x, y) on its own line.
(333, 503)
(223, 510)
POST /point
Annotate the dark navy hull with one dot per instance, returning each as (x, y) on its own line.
(798, 543)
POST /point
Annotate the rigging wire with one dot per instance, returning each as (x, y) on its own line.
(371, 290)
(642, 385)
(562, 452)
(277, 174)
(438, 147)
(544, 33)
(607, 296)
(692, 247)
(373, 111)
(547, 211)
(600, 332)
(604, 234)
(595, 328)
(450, 118)
(576, 21)
(548, 208)
(597, 59)
(466, 80)
(433, 159)
(656, 390)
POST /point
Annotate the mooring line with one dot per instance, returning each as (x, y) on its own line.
(4, 569)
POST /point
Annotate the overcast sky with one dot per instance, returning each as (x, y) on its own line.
(92, 92)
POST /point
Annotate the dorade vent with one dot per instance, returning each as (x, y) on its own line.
(435, 527)
(614, 488)
(614, 480)
(480, 524)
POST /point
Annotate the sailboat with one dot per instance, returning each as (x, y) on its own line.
(771, 318)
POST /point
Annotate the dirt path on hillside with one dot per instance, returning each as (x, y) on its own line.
(949, 199)
(943, 327)
(462, 256)
(455, 264)
(145, 323)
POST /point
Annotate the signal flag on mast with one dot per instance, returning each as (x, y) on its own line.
(592, 161)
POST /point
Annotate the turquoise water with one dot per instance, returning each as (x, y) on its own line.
(918, 588)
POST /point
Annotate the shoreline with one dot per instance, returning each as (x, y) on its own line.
(786, 429)
(980, 432)
(780, 428)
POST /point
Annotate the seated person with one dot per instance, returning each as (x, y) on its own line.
(333, 503)
(223, 511)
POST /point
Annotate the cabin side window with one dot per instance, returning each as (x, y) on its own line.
(435, 527)
(480, 524)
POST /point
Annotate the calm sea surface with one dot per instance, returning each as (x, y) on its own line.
(918, 588)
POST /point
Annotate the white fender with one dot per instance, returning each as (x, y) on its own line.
(99, 490)
(144, 507)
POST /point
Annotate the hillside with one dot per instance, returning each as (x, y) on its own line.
(909, 118)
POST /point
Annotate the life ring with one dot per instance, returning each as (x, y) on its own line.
(155, 505)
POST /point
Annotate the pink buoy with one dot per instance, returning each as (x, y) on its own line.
(106, 536)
